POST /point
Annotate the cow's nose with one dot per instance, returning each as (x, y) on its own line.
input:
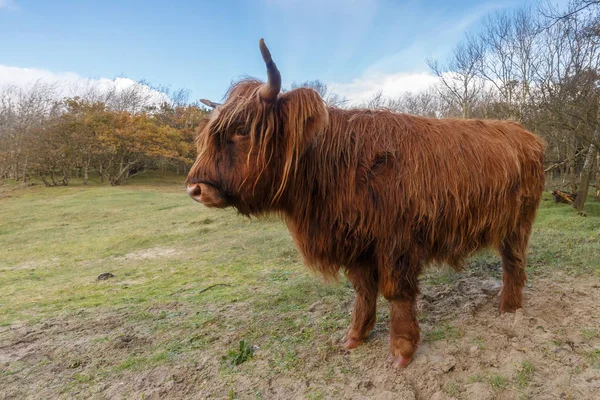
(194, 190)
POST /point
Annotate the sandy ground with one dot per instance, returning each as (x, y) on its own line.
(549, 350)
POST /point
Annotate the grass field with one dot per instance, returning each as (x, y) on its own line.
(208, 304)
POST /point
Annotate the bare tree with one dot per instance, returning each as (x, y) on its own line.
(460, 83)
(24, 110)
(426, 103)
(331, 98)
(568, 88)
(376, 101)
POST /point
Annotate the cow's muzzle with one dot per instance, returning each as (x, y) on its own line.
(194, 190)
(207, 193)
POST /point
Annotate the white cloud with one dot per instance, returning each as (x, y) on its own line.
(392, 84)
(69, 84)
(25, 76)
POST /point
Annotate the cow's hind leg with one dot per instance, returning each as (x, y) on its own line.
(364, 280)
(514, 252)
(400, 288)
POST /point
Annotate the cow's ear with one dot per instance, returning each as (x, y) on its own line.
(305, 115)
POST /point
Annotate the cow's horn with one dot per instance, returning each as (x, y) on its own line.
(269, 90)
(209, 103)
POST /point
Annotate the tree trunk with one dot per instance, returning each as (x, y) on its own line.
(25, 169)
(572, 166)
(586, 175)
(85, 173)
(16, 170)
(101, 172)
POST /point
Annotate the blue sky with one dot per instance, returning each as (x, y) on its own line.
(356, 46)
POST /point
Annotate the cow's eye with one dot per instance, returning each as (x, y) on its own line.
(241, 132)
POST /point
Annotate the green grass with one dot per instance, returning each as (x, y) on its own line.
(479, 342)
(239, 355)
(497, 382)
(444, 331)
(525, 373)
(563, 239)
(589, 333)
(316, 395)
(476, 378)
(441, 276)
(452, 388)
(167, 254)
(165, 250)
(56, 241)
(593, 357)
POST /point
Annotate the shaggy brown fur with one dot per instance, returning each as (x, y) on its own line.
(375, 193)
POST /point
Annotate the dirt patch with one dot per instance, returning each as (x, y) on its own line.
(551, 349)
(468, 351)
(149, 254)
(34, 264)
(129, 341)
(42, 360)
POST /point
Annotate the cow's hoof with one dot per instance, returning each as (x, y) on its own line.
(509, 308)
(401, 362)
(510, 304)
(350, 344)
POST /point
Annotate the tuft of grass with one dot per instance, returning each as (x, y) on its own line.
(441, 276)
(286, 359)
(525, 373)
(486, 263)
(316, 395)
(476, 378)
(593, 357)
(452, 389)
(479, 342)
(82, 378)
(497, 382)
(75, 363)
(445, 331)
(589, 333)
(136, 362)
(240, 355)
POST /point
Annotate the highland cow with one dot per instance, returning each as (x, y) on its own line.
(373, 193)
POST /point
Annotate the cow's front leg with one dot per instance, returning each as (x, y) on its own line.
(401, 288)
(404, 331)
(364, 280)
